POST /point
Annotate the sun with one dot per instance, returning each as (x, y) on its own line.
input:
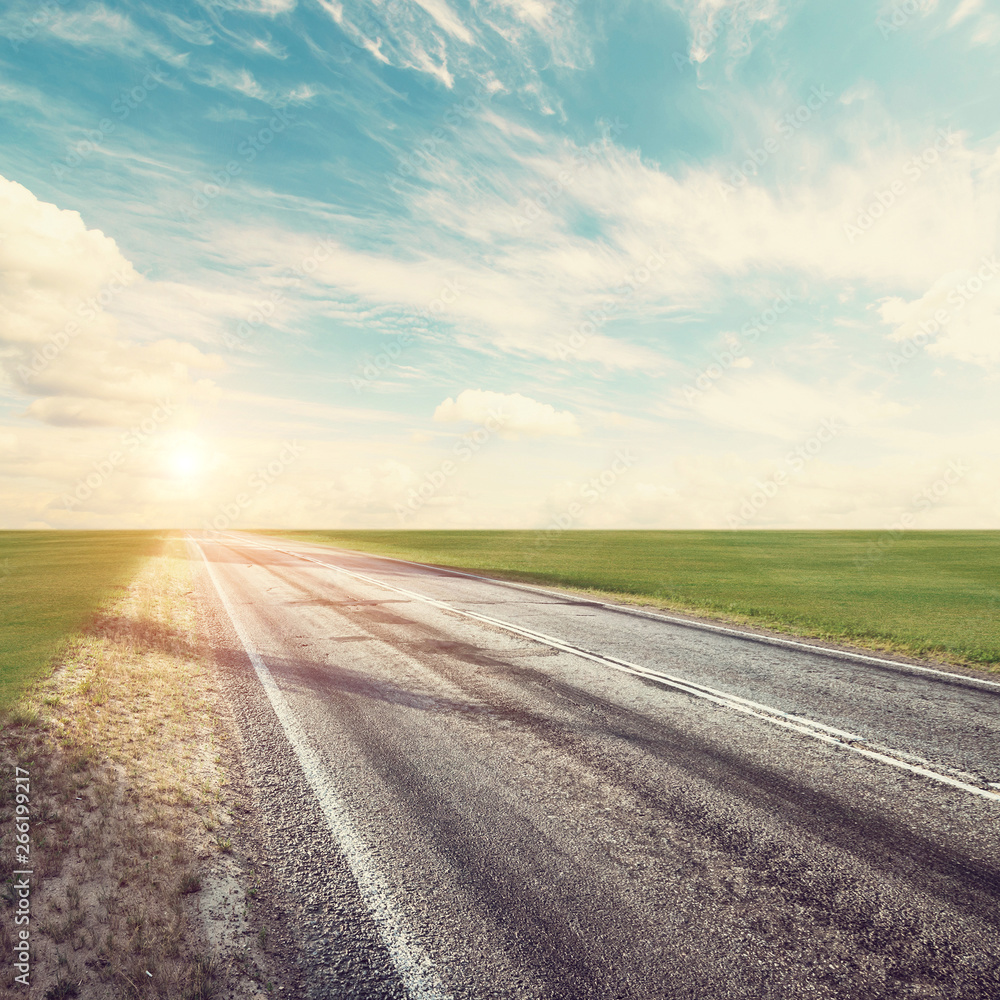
(184, 458)
(185, 464)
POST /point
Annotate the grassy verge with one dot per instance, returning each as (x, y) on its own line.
(130, 823)
(51, 582)
(925, 594)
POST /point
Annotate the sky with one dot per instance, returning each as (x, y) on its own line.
(546, 264)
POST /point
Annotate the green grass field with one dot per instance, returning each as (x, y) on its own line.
(927, 593)
(51, 582)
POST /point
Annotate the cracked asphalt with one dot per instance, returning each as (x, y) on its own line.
(512, 820)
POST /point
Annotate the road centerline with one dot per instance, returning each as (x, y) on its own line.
(800, 724)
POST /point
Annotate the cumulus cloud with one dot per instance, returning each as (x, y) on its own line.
(61, 340)
(512, 414)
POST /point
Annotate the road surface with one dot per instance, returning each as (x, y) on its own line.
(475, 789)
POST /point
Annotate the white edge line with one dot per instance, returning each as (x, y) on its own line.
(775, 716)
(841, 654)
(414, 967)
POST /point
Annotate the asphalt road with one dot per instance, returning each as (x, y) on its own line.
(472, 789)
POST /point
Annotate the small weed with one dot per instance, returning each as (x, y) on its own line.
(201, 979)
(62, 990)
(190, 884)
(23, 715)
(224, 844)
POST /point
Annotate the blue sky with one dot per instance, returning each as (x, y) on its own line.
(515, 263)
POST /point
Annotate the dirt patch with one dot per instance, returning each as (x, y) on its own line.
(140, 883)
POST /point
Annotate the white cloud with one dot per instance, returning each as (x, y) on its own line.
(861, 91)
(778, 406)
(504, 44)
(986, 26)
(446, 18)
(267, 8)
(60, 337)
(964, 10)
(721, 224)
(512, 414)
(988, 31)
(726, 24)
(376, 488)
(192, 32)
(958, 316)
(111, 31)
(242, 81)
(486, 250)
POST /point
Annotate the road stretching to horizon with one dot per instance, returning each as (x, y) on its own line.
(475, 789)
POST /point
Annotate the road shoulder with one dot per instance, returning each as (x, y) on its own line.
(144, 881)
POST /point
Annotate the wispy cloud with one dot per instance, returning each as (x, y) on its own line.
(99, 27)
(510, 203)
(727, 26)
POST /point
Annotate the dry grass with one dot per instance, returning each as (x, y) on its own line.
(128, 807)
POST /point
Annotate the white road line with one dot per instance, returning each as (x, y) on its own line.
(413, 965)
(771, 640)
(799, 724)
